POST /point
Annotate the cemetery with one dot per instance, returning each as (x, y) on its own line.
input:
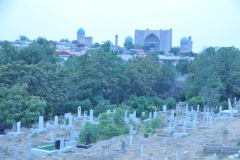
(175, 134)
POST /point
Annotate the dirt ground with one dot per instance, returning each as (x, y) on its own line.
(155, 147)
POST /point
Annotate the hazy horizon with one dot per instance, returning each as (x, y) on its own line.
(209, 23)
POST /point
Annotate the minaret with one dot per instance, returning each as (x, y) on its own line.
(116, 40)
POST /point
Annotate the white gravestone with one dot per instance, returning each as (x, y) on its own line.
(19, 127)
(40, 123)
(125, 115)
(79, 111)
(91, 115)
(85, 114)
(56, 121)
(142, 154)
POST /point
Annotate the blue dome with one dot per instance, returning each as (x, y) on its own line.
(80, 31)
(128, 39)
(184, 40)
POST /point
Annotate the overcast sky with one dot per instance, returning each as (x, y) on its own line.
(209, 22)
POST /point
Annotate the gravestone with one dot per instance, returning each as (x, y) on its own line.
(125, 115)
(71, 142)
(62, 143)
(87, 144)
(79, 112)
(105, 150)
(85, 114)
(19, 127)
(40, 123)
(91, 115)
(16, 153)
(57, 144)
(225, 136)
(130, 141)
(28, 151)
(142, 154)
(56, 121)
(164, 108)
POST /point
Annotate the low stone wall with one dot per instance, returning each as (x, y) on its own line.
(210, 149)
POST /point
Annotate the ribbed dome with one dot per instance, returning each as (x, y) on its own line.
(184, 40)
(128, 39)
(80, 31)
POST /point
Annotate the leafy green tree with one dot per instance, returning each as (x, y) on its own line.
(96, 45)
(174, 50)
(143, 73)
(129, 45)
(16, 105)
(106, 46)
(146, 48)
(182, 67)
(74, 42)
(8, 53)
(23, 38)
(137, 46)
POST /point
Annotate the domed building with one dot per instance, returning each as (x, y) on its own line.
(128, 39)
(157, 40)
(82, 39)
(186, 44)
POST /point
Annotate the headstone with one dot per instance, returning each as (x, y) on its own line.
(184, 127)
(71, 135)
(225, 136)
(85, 114)
(164, 108)
(142, 154)
(40, 123)
(62, 141)
(66, 115)
(123, 146)
(150, 115)
(211, 121)
(57, 144)
(79, 111)
(176, 156)
(56, 121)
(16, 153)
(70, 120)
(91, 115)
(19, 126)
(215, 156)
(108, 111)
(135, 114)
(143, 114)
(220, 109)
(28, 151)
(130, 141)
(52, 136)
(229, 104)
(125, 115)
(197, 108)
(154, 114)
(187, 107)
(88, 135)
(83, 124)
(131, 129)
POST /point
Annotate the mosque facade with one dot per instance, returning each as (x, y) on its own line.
(82, 39)
(186, 44)
(157, 40)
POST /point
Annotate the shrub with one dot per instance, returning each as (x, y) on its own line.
(170, 102)
(146, 135)
(194, 101)
(224, 104)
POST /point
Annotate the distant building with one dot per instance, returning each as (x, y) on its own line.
(186, 44)
(157, 40)
(82, 40)
(128, 39)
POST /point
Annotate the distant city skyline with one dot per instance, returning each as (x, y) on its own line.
(209, 23)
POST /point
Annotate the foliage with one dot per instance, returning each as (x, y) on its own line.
(16, 105)
(146, 135)
(137, 46)
(174, 50)
(96, 45)
(170, 102)
(106, 46)
(75, 42)
(110, 125)
(146, 48)
(129, 45)
(182, 67)
(194, 101)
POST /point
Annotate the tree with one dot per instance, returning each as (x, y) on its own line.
(16, 105)
(75, 42)
(143, 73)
(146, 48)
(129, 45)
(106, 46)
(182, 67)
(9, 53)
(64, 40)
(23, 38)
(137, 46)
(96, 45)
(174, 50)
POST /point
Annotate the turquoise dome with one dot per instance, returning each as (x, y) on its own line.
(128, 39)
(184, 40)
(80, 31)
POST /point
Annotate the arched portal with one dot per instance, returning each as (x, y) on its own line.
(153, 42)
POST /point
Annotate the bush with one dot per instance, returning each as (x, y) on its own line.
(71, 106)
(170, 102)
(224, 104)
(111, 125)
(155, 123)
(194, 101)
(146, 135)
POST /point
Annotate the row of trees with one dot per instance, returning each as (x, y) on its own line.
(35, 81)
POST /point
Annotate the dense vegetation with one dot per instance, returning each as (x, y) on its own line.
(35, 81)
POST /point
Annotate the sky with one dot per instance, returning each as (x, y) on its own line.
(209, 22)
